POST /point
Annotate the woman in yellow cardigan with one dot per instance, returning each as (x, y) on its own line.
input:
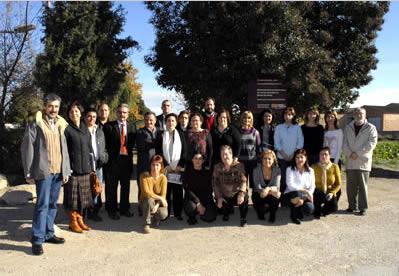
(328, 183)
(153, 194)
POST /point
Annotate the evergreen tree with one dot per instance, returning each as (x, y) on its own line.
(323, 51)
(83, 53)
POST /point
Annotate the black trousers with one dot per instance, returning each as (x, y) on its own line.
(249, 166)
(319, 199)
(174, 196)
(262, 205)
(119, 171)
(297, 212)
(229, 204)
(283, 185)
(190, 208)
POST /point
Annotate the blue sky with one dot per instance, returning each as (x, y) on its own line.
(384, 88)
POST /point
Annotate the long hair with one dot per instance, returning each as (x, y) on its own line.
(331, 112)
(247, 114)
(303, 152)
(291, 110)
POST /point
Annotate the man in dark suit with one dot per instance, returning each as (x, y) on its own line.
(120, 137)
(166, 109)
(210, 115)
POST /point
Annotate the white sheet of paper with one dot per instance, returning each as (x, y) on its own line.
(174, 178)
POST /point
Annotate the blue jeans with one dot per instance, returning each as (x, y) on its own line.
(47, 191)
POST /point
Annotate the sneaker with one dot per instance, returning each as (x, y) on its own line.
(146, 229)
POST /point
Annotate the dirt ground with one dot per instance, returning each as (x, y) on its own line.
(338, 244)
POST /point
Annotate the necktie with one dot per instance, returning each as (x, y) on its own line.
(123, 140)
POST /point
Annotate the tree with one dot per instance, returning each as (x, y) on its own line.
(16, 55)
(83, 52)
(130, 92)
(323, 51)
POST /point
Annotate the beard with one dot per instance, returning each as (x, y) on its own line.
(209, 110)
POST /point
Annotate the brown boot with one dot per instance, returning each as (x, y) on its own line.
(81, 222)
(73, 224)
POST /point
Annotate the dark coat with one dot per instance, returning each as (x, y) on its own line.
(145, 141)
(159, 148)
(79, 148)
(102, 157)
(113, 140)
(230, 137)
(159, 122)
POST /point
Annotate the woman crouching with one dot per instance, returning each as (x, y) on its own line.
(153, 194)
(300, 186)
(230, 185)
(266, 192)
(198, 192)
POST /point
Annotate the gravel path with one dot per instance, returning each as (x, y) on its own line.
(339, 244)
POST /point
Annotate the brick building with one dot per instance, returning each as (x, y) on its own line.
(385, 119)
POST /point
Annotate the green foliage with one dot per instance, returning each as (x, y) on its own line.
(324, 51)
(83, 52)
(387, 152)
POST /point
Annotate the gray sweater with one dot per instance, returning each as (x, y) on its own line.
(259, 181)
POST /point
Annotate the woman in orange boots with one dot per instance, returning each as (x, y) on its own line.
(77, 192)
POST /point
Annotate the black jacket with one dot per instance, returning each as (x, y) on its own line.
(230, 137)
(79, 148)
(159, 122)
(146, 140)
(102, 153)
(159, 148)
(113, 140)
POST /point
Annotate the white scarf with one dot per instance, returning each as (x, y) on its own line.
(173, 158)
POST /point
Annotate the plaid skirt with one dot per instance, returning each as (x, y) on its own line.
(77, 193)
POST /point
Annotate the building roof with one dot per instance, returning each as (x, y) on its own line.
(390, 108)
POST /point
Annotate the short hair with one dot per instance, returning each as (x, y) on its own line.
(184, 112)
(148, 113)
(227, 115)
(91, 110)
(226, 147)
(303, 152)
(269, 152)
(247, 113)
(164, 101)
(171, 115)
(101, 104)
(197, 114)
(51, 98)
(358, 109)
(331, 112)
(210, 98)
(123, 105)
(325, 149)
(291, 110)
(75, 104)
(314, 110)
(157, 159)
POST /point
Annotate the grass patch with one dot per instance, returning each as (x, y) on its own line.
(386, 154)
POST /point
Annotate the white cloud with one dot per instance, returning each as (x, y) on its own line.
(375, 96)
(153, 100)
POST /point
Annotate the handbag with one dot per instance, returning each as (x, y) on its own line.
(95, 184)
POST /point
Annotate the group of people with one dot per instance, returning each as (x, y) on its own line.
(192, 162)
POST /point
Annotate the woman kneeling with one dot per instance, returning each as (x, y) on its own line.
(266, 192)
(328, 184)
(198, 192)
(230, 185)
(300, 186)
(153, 194)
